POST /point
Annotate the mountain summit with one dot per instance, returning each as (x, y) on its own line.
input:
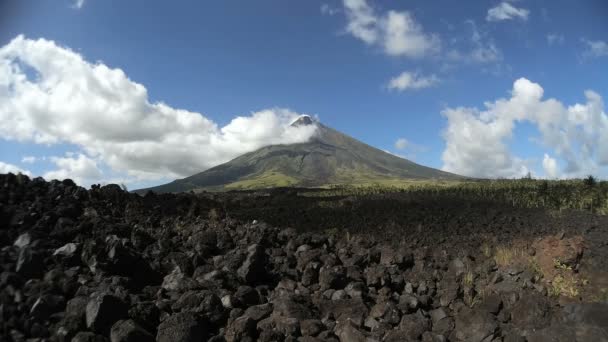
(303, 120)
(329, 157)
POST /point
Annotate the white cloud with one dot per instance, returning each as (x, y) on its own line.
(78, 4)
(506, 11)
(477, 141)
(326, 9)
(362, 22)
(111, 119)
(596, 48)
(401, 143)
(397, 33)
(82, 169)
(412, 80)
(550, 167)
(555, 39)
(28, 159)
(10, 168)
(403, 36)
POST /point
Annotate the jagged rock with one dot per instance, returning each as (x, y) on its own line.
(311, 327)
(491, 303)
(332, 277)
(145, 314)
(414, 325)
(131, 267)
(347, 332)
(399, 257)
(77, 306)
(356, 290)
(23, 240)
(408, 303)
(69, 326)
(88, 337)
(242, 328)
(246, 296)
(311, 274)
(253, 269)
(103, 310)
(182, 327)
(30, 264)
(531, 311)
(204, 302)
(457, 267)
(68, 250)
(343, 310)
(442, 323)
(474, 325)
(178, 281)
(47, 304)
(129, 331)
(258, 312)
(292, 306)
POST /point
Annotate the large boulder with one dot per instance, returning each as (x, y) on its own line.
(103, 310)
(182, 327)
(129, 331)
(253, 269)
(474, 325)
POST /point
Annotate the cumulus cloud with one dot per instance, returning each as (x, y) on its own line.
(477, 140)
(81, 169)
(112, 120)
(506, 11)
(10, 168)
(412, 80)
(401, 143)
(396, 32)
(550, 167)
(594, 49)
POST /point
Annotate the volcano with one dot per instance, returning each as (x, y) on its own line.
(328, 158)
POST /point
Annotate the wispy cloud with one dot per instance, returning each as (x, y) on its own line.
(481, 48)
(327, 9)
(555, 39)
(412, 80)
(28, 159)
(401, 143)
(78, 4)
(595, 49)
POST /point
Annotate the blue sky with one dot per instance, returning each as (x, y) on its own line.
(379, 71)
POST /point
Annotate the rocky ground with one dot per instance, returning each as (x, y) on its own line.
(106, 265)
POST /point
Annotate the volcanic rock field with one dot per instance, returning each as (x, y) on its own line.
(286, 265)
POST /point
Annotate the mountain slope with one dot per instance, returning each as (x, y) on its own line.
(330, 157)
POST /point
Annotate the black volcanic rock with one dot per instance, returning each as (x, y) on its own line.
(182, 327)
(399, 267)
(103, 310)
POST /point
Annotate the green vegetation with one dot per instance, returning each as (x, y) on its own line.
(567, 286)
(269, 179)
(580, 194)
